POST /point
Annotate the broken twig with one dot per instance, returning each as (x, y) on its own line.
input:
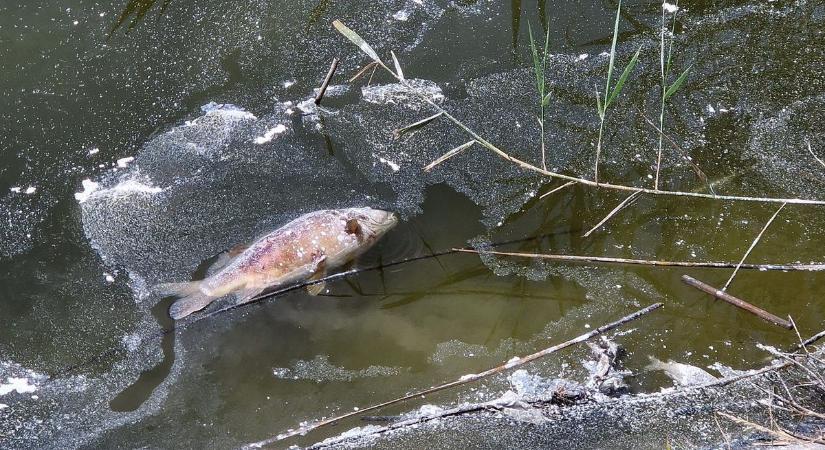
(722, 295)
(325, 84)
(515, 362)
(648, 262)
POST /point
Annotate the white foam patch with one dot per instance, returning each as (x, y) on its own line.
(29, 190)
(321, 370)
(226, 111)
(402, 15)
(409, 94)
(393, 165)
(123, 162)
(270, 134)
(21, 385)
(89, 187)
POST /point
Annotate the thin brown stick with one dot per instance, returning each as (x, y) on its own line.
(325, 84)
(630, 198)
(372, 74)
(648, 262)
(514, 362)
(569, 183)
(493, 404)
(789, 400)
(788, 358)
(739, 303)
(753, 244)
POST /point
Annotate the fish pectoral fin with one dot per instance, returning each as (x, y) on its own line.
(317, 288)
(320, 272)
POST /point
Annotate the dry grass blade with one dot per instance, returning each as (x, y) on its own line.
(627, 201)
(398, 72)
(810, 150)
(360, 73)
(449, 155)
(569, 183)
(753, 244)
(357, 40)
(398, 132)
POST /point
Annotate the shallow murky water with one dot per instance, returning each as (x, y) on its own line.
(143, 138)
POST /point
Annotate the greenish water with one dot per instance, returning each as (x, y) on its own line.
(84, 85)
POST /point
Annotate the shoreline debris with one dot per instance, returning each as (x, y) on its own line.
(514, 362)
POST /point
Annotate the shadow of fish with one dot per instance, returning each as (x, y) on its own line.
(304, 249)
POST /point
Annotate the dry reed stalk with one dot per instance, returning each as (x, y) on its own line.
(448, 155)
(648, 262)
(358, 41)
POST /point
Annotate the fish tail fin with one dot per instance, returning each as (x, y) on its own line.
(191, 298)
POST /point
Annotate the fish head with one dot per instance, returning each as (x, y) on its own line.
(373, 223)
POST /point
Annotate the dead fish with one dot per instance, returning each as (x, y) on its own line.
(304, 249)
(681, 374)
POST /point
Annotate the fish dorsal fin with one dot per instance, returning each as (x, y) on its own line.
(320, 272)
(225, 258)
